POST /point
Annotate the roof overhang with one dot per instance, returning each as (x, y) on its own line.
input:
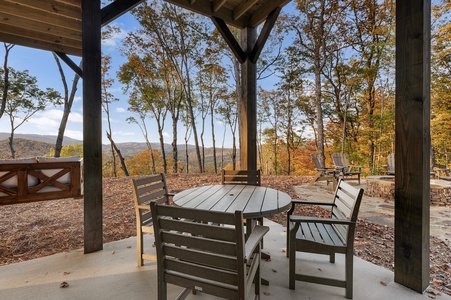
(55, 25)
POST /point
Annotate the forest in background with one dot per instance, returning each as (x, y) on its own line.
(332, 63)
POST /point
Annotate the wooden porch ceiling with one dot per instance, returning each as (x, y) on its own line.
(55, 25)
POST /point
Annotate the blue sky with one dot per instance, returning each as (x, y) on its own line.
(42, 65)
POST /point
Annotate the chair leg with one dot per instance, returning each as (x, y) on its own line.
(162, 291)
(288, 239)
(139, 247)
(292, 265)
(260, 222)
(257, 279)
(349, 268)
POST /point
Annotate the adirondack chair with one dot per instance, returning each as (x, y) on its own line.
(439, 172)
(390, 167)
(326, 235)
(203, 257)
(345, 170)
(146, 190)
(323, 173)
(443, 173)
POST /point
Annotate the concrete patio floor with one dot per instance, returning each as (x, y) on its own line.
(113, 274)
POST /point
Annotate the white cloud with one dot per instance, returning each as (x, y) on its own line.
(116, 37)
(76, 117)
(124, 133)
(121, 110)
(75, 134)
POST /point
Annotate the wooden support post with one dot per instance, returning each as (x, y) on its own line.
(248, 103)
(92, 126)
(412, 182)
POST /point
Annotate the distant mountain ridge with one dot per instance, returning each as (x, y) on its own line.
(50, 139)
(29, 145)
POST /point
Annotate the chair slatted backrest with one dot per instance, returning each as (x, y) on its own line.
(391, 163)
(199, 253)
(146, 190)
(251, 177)
(341, 161)
(316, 162)
(346, 206)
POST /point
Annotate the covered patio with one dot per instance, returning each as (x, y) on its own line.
(113, 274)
(79, 22)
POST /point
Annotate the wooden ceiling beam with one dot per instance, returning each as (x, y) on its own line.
(39, 15)
(51, 6)
(70, 63)
(76, 3)
(27, 42)
(40, 36)
(218, 4)
(264, 34)
(208, 10)
(7, 19)
(244, 7)
(230, 39)
(262, 13)
(116, 9)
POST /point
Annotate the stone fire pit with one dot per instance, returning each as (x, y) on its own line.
(384, 187)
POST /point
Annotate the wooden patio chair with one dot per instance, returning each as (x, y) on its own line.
(443, 173)
(248, 177)
(203, 257)
(323, 173)
(251, 177)
(145, 191)
(326, 235)
(345, 170)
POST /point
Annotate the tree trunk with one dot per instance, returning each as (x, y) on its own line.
(118, 152)
(319, 114)
(213, 140)
(152, 156)
(163, 152)
(8, 47)
(11, 146)
(68, 101)
(174, 147)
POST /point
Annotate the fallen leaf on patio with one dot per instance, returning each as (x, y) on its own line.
(66, 273)
(320, 270)
(129, 247)
(64, 284)
(383, 283)
(114, 252)
(433, 292)
(274, 270)
(432, 297)
(284, 250)
(266, 293)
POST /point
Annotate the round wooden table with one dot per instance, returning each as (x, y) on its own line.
(254, 201)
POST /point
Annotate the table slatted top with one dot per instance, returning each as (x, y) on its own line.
(254, 201)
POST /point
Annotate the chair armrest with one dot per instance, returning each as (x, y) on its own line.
(298, 219)
(339, 168)
(146, 207)
(254, 239)
(295, 202)
(312, 202)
